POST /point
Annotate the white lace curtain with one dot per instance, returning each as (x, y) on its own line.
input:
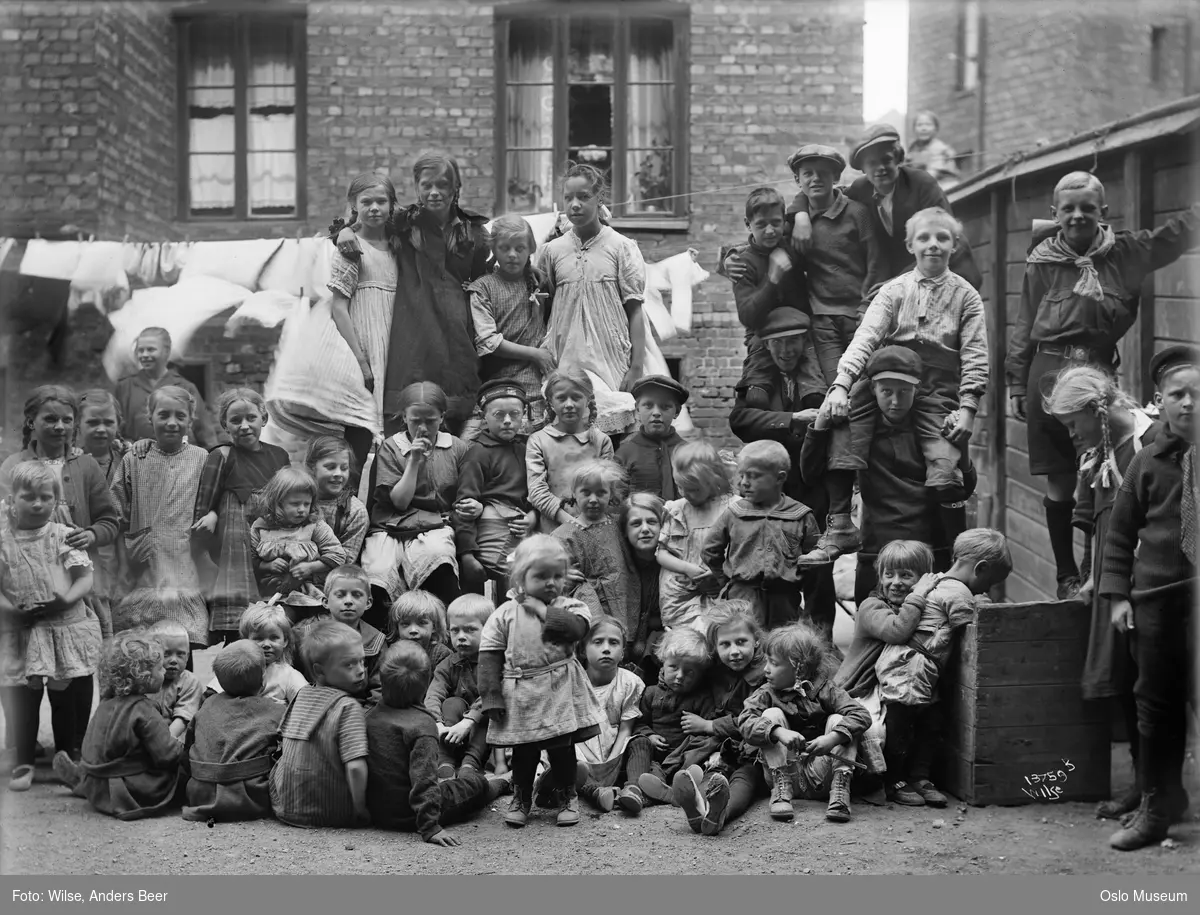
(270, 130)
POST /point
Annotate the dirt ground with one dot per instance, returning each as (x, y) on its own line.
(46, 831)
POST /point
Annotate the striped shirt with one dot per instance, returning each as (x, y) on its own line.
(942, 313)
(323, 730)
(507, 310)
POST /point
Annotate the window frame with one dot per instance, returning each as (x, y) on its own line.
(296, 18)
(679, 15)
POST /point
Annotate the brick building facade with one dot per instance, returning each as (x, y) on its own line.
(1009, 76)
(92, 132)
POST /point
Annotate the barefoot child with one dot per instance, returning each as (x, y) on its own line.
(805, 727)
(453, 695)
(49, 636)
(232, 476)
(535, 692)
(232, 741)
(321, 776)
(403, 788)
(130, 766)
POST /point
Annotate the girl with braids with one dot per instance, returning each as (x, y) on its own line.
(509, 316)
(438, 248)
(48, 435)
(364, 287)
(598, 279)
(1108, 422)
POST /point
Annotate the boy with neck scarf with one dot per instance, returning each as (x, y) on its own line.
(1079, 298)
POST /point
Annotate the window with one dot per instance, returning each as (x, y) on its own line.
(241, 115)
(605, 85)
(967, 77)
(1158, 40)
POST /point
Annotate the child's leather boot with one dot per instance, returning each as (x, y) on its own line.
(838, 810)
(568, 812)
(781, 794)
(841, 536)
(518, 810)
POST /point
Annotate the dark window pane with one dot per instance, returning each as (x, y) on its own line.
(589, 116)
(590, 55)
(651, 51)
(272, 52)
(531, 51)
(210, 52)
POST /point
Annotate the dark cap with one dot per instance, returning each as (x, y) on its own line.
(1170, 358)
(894, 362)
(826, 154)
(784, 322)
(663, 383)
(874, 136)
(494, 390)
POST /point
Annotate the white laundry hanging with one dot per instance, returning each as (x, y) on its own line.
(52, 260)
(101, 270)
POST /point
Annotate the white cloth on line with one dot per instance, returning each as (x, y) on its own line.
(181, 310)
(101, 269)
(239, 262)
(52, 260)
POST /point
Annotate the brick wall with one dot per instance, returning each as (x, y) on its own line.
(1049, 70)
(386, 83)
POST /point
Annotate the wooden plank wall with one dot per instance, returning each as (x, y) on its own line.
(1166, 182)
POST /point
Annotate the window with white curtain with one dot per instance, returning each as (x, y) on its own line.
(601, 84)
(241, 104)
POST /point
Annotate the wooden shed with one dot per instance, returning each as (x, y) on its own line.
(1150, 166)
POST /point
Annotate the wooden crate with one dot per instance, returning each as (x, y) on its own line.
(1015, 710)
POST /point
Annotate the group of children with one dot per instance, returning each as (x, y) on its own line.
(653, 645)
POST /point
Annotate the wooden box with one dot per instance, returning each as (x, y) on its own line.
(1017, 728)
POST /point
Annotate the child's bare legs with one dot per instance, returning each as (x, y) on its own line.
(499, 761)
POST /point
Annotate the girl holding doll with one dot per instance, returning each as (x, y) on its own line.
(232, 476)
(535, 692)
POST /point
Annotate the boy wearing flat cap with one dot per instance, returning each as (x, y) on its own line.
(646, 454)
(893, 192)
(1149, 577)
(766, 274)
(844, 261)
(493, 477)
